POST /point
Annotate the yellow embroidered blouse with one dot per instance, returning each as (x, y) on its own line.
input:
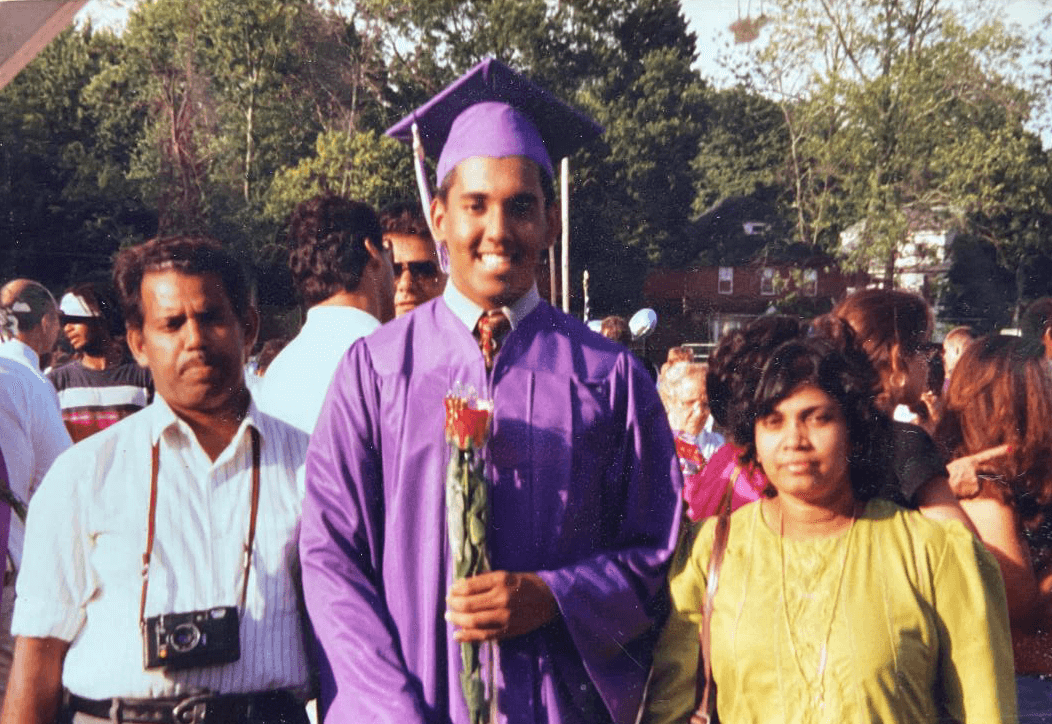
(918, 629)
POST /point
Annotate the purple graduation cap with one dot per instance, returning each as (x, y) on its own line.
(493, 111)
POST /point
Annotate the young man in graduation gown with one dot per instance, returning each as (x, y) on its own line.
(584, 478)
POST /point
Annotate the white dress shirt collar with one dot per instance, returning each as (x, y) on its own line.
(468, 312)
(164, 419)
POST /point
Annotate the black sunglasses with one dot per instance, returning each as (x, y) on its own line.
(417, 269)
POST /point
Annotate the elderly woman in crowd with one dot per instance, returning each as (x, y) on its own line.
(834, 605)
(677, 354)
(681, 386)
(1001, 394)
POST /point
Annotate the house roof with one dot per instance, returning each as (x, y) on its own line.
(26, 26)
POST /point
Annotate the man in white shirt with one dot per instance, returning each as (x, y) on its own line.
(342, 271)
(202, 632)
(37, 328)
(33, 436)
(31, 421)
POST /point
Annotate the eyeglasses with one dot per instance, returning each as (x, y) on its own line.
(417, 269)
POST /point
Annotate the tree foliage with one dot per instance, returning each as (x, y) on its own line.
(366, 166)
(207, 115)
(900, 115)
(64, 204)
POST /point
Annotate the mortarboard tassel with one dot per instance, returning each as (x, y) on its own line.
(425, 197)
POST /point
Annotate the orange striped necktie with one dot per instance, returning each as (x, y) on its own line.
(493, 327)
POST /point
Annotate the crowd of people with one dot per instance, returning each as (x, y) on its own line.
(828, 520)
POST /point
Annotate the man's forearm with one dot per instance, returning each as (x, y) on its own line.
(34, 689)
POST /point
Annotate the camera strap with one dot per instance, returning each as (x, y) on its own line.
(152, 524)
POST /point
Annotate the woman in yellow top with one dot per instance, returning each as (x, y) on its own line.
(834, 606)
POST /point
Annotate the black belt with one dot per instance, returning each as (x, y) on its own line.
(278, 706)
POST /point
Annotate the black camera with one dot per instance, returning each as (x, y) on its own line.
(193, 639)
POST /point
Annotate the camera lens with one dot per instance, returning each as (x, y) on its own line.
(184, 637)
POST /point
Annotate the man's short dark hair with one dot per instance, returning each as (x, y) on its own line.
(187, 254)
(1037, 318)
(404, 217)
(102, 299)
(327, 236)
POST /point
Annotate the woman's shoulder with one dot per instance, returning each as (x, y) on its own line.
(891, 524)
(699, 538)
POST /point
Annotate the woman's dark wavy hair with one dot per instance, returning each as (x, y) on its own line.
(735, 364)
(843, 371)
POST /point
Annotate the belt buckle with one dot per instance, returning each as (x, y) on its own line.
(192, 709)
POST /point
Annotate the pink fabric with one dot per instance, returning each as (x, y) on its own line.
(702, 490)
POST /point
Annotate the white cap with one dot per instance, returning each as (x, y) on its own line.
(642, 323)
(74, 306)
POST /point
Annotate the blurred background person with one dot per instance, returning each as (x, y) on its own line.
(833, 604)
(681, 387)
(34, 332)
(677, 354)
(682, 390)
(101, 384)
(32, 437)
(343, 275)
(953, 346)
(893, 328)
(1001, 394)
(616, 328)
(1036, 324)
(417, 274)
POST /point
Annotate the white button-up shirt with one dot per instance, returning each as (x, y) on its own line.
(295, 383)
(32, 435)
(18, 351)
(81, 577)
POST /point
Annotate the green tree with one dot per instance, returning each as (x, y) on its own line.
(896, 111)
(365, 166)
(234, 94)
(744, 149)
(64, 204)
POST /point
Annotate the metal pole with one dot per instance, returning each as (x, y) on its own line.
(553, 278)
(565, 193)
(584, 287)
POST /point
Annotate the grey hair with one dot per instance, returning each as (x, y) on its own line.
(672, 378)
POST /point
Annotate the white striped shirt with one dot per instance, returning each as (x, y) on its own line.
(81, 574)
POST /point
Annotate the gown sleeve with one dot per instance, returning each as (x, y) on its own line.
(975, 658)
(610, 601)
(362, 669)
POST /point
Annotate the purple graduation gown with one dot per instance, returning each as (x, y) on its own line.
(586, 492)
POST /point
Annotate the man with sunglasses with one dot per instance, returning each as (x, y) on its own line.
(342, 271)
(418, 277)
